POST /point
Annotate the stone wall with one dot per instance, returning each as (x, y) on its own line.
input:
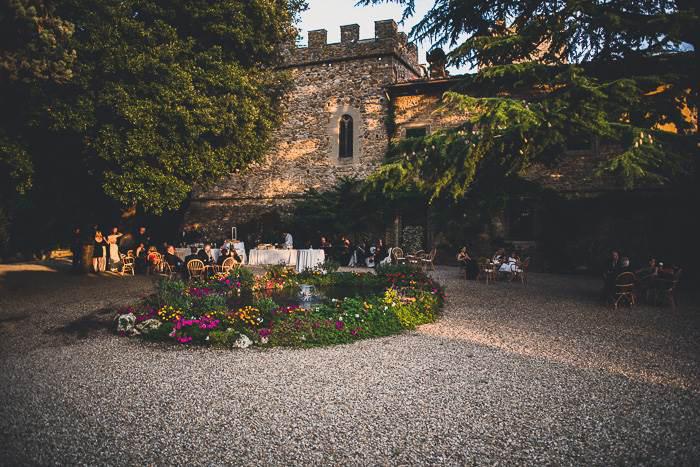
(331, 80)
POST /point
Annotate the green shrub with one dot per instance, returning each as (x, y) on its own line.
(223, 339)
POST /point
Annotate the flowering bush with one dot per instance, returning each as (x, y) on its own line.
(230, 310)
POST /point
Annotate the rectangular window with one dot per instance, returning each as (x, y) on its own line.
(416, 132)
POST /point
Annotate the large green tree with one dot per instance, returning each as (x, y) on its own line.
(130, 104)
(552, 71)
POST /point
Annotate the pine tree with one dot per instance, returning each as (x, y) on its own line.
(552, 72)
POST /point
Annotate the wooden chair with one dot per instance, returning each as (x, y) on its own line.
(128, 265)
(196, 269)
(226, 266)
(166, 270)
(487, 271)
(666, 288)
(624, 288)
(416, 258)
(397, 256)
(427, 260)
(521, 271)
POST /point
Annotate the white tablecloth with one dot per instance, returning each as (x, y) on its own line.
(286, 257)
(215, 252)
(240, 249)
(309, 259)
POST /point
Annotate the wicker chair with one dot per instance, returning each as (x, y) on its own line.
(128, 265)
(427, 260)
(487, 271)
(227, 265)
(196, 269)
(624, 288)
(416, 258)
(666, 288)
(521, 271)
(166, 270)
(397, 256)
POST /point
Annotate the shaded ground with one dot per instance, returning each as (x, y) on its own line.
(510, 374)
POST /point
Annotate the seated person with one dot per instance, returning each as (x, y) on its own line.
(613, 267)
(206, 256)
(226, 253)
(172, 259)
(499, 256)
(510, 265)
(192, 255)
(153, 259)
(471, 269)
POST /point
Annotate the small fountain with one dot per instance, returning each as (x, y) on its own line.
(307, 295)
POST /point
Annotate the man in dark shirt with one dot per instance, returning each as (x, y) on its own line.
(172, 259)
(142, 236)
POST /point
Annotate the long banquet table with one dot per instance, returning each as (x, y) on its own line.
(286, 257)
(302, 259)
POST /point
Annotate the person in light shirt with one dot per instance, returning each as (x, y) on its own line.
(288, 241)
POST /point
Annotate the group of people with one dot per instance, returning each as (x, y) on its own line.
(106, 249)
(363, 254)
(366, 254)
(507, 262)
(108, 252)
(645, 277)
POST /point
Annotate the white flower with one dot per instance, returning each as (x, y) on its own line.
(340, 319)
(357, 316)
(207, 338)
(386, 308)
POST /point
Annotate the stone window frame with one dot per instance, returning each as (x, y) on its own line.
(413, 125)
(348, 148)
(334, 134)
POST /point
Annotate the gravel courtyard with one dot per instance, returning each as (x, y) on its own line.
(511, 374)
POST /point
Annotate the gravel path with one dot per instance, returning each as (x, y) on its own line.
(511, 374)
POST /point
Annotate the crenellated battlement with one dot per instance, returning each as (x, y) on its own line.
(387, 41)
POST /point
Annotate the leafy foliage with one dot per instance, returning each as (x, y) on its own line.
(131, 104)
(553, 72)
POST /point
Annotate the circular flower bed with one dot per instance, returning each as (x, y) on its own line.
(238, 310)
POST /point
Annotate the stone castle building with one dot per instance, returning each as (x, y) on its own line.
(351, 100)
(335, 123)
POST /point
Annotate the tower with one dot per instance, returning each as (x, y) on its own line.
(334, 124)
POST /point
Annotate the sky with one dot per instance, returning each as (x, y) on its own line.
(331, 14)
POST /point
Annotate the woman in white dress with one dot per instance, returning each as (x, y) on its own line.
(114, 258)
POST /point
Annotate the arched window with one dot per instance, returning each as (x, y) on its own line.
(345, 136)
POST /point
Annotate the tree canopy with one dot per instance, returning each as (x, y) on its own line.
(136, 102)
(551, 72)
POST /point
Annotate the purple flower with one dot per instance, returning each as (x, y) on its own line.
(339, 325)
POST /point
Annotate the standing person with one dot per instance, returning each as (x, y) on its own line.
(99, 253)
(77, 250)
(141, 258)
(114, 258)
(142, 236)
(288, 241)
